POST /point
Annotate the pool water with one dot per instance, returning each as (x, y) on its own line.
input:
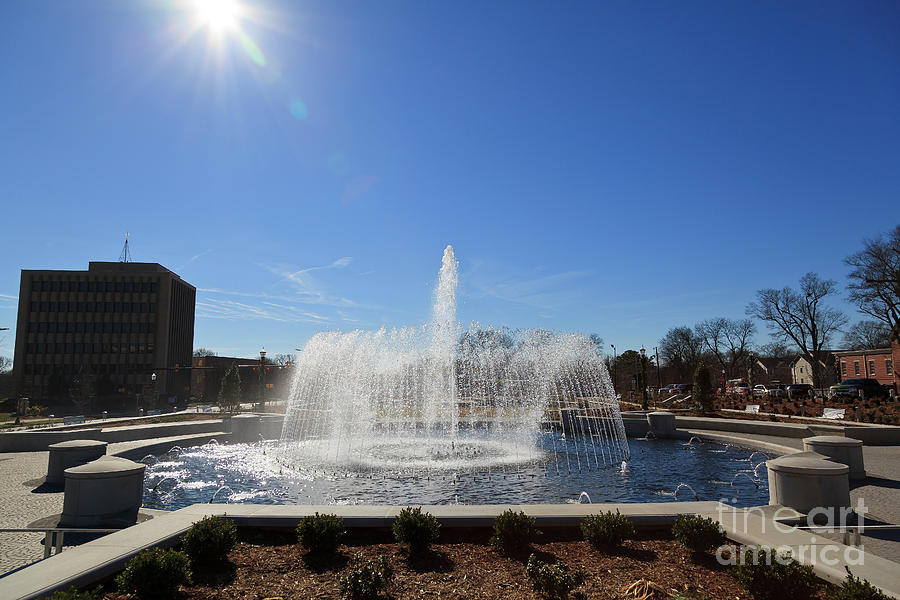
(250, 474)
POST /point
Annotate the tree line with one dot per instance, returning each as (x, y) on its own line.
(800, 319)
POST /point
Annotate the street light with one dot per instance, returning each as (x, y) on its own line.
(615, 367)
(642, 376)
(262, 378)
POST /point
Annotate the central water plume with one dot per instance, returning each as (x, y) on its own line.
(436, 397)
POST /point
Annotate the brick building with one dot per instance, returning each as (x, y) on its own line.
(874, 364)
(99, 336)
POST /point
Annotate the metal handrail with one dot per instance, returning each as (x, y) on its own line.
(53, 536)
(848, 530)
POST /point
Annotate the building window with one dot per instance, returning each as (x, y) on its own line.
(153, 307)
(856, 367)
(55, 287)
(889, 366)
(871, 368)
(110, 286)
(35, 286)
(145, 287)
(843, 369)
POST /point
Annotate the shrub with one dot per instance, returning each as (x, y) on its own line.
(73, 594)
(366, 579)
(552, 581)
(607, 530)
(155, 573)
(768, 576)
(513, 531)
(697, 533)
(416, 528)
(321, 534)
(210, 540)
(856, 589)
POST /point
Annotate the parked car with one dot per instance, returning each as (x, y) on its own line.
(771, 390)
(737, 387)
(760, 391)
(799, 390)
(667, 390)
(683, 388)
(851, 387)
(776, 390)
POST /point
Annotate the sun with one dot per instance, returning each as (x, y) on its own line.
(218, 15)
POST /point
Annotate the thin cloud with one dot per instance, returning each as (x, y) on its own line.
(544, 292)
(214, 308)
(9, 297)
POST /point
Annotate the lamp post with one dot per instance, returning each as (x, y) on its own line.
(643, 378)
(262, 379)
(155, 392)
(615, 367)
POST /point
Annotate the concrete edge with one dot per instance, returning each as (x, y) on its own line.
(750, 527)
(158, 446)
(744, 442)
(106, 556)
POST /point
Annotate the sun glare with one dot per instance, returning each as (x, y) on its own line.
(219, 15)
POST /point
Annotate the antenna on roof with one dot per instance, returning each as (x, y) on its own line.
(126, 255)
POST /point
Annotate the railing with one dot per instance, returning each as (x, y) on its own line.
(53, 536)
(853, 530)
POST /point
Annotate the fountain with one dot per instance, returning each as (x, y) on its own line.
(436, 397)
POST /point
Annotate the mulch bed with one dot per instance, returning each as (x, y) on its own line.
(271, 565)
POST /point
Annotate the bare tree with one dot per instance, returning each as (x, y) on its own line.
(282, 359)
(797, 316)
(204, 352)
(681, 350)
(875, 280)
(728, 340)
(776, 350)
(867, 335)
(5, 364)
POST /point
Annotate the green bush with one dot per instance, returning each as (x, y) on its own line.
(210, 540)
(553, 581)
(607, 530)
(416, 528)
(697, 533)
(513, 531)
(73, 594)
(155, 573)
(366, 579)
(856, 589)
(321, 534)
(767, 576)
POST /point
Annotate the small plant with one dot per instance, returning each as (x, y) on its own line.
(768, 576)
(365, 580)
(553, 581)
(697, 533)
(513, 531)
(321, 534)
(416, 528)
(209, 540)
(607, 530)
(155, 573)
(856, 589)
(73, 594)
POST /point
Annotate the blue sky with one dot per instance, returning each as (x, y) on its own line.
(615, 167)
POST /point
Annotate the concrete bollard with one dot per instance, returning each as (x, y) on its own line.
(71, 453)
(106, 492)
(805, 483)
(661, 423)
(840, 449)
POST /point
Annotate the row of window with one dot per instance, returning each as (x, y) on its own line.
(93, 286)
(53, 327)
(888, 368)
(87, 348)
(91, 307)
(80, 369)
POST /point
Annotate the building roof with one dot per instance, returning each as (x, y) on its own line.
(866, 352)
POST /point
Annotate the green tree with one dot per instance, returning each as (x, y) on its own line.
(703, 393)
(230, 390)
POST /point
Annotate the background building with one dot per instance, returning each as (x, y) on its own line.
(874, 364)
(106, 338)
